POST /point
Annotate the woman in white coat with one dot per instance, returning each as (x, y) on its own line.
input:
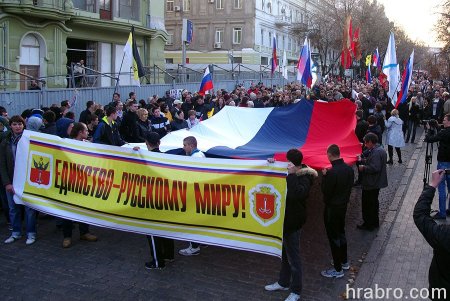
(394, 136)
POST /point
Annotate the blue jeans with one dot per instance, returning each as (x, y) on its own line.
(441, 188)
(412, 126)
(15, 214)
(291, 266)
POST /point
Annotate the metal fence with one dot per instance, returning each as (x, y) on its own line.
(18, 101)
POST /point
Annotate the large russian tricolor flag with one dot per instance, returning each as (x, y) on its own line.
(270, 132)
(207, 83)
(406, 80)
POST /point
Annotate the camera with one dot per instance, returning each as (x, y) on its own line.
(432, 123)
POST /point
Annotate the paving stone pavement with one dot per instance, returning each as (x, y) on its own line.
(402, 258)
(113, 267)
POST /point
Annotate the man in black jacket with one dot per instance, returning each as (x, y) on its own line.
(373, 168)
(107, 131)
(337, 185)
(438, 236)
(443, 158)
(299, 180)
(128, 127)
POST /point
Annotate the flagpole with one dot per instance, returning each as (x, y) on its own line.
(118, 76)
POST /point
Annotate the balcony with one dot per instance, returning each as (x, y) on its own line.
(298, 26)
(282, 20)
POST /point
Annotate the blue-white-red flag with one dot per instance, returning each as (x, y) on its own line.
(376, 59)
(269, 132)
(368, 75)
(406, 80)
(304, 73)
(274, 55)
(207, 83)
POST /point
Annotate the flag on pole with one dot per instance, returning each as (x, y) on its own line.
(376, 59)
(391, 69)
(368, 75)
(406, 80)
(132, 54)
(304, 73)
(346, 57)
(274, 55)
(356, 45)
(368, 60)
(284, 70)
(207, 83)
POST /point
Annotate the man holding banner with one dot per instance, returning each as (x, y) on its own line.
(299, 180)
(8, 149)
(190, 147)
(79, 132)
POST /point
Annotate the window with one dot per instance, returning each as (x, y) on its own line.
(262, 37)
(105, 5)
(289, 44)
(186, 5)
(169, 61)
(237, 35)
(270, 39)
(129, 9)
(237, 4)
(169, 39)
(219, 35)
(263, 5)
(269, 7)
(86, 5)
(169, 5)
(264, 60)
(219, 4)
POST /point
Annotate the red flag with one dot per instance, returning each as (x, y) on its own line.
(346, 58)
(356, 45)
(383, 80)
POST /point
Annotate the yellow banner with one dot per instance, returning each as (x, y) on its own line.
(230, 203)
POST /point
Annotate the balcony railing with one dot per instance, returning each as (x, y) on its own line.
(282, 20)
(86, 5)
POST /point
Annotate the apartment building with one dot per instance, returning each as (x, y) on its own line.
(238, 31)
(42, 38)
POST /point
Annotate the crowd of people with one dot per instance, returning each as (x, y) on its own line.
(147, 121)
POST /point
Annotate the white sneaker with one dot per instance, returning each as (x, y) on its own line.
(30, 240)
(292, 297)
(345, 266)
(189, 251)
(12, 239)
(275, 287)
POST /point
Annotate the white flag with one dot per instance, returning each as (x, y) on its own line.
(284, 70)
(392, 70)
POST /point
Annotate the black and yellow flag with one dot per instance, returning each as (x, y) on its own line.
(132, 54)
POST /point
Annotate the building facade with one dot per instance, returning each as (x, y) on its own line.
(43, 38)
(238, 31)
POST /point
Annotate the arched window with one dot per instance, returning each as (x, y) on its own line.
(30, 59)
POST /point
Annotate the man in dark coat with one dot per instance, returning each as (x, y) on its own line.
(107, 131)
(438, 236)
(443, 161)
(129, 129)
(299, 180)
(337, 185)
(373, 168)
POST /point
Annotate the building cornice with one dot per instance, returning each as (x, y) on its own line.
(37, 11)
(36, 25)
